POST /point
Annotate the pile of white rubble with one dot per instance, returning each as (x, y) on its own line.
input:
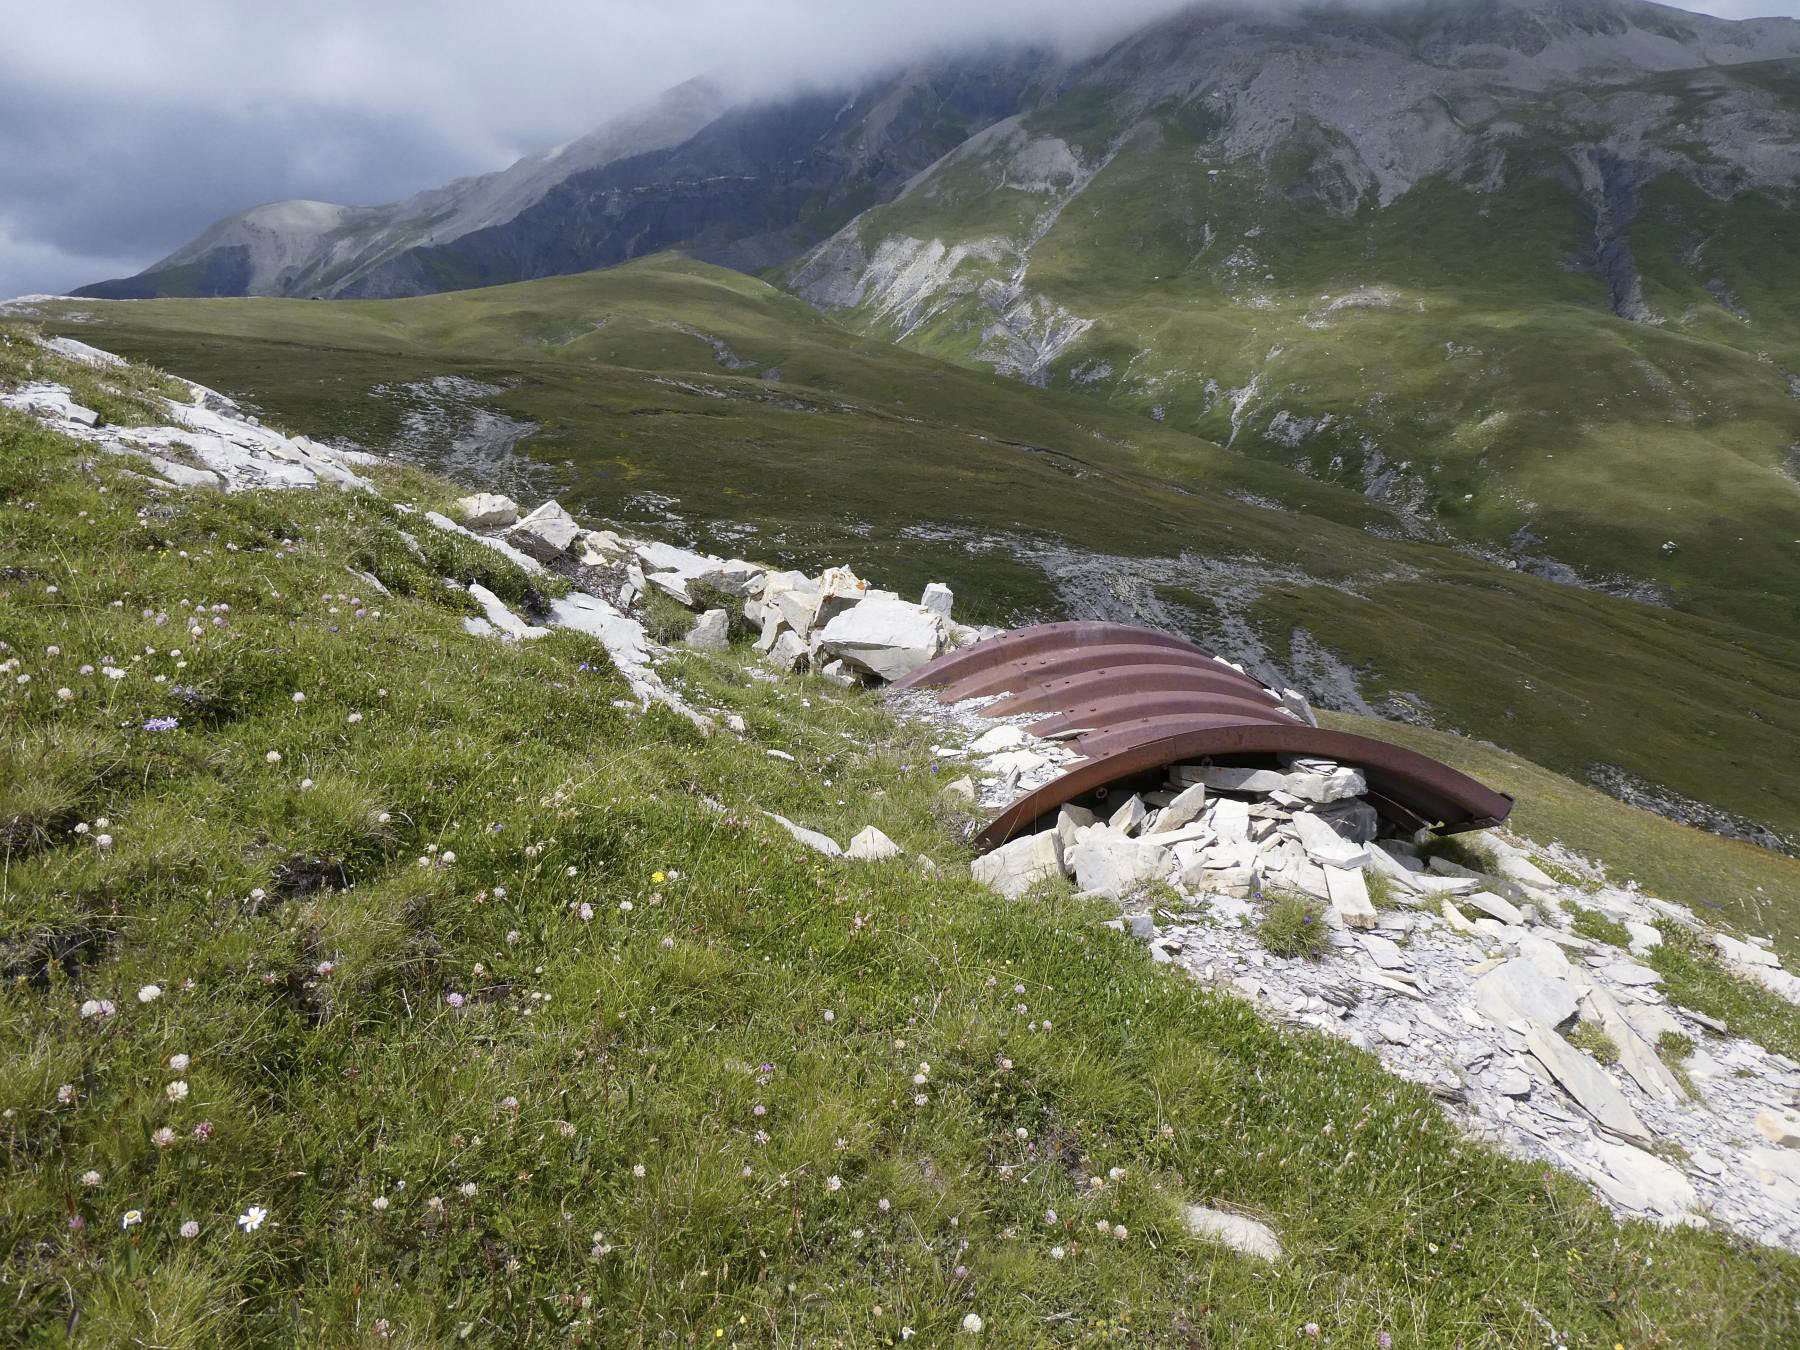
(835, 623)
(1470, 982)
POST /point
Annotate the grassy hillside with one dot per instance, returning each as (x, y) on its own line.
(451, 1001)
(698, 400)
(1456, 350)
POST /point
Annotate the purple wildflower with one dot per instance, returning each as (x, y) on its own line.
(162, 724)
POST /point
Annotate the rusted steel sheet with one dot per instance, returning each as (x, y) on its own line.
(1126, 679)
(1022, 642)
(1131, 701)
(1422, 789)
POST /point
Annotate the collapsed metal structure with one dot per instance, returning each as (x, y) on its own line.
(1133, 701)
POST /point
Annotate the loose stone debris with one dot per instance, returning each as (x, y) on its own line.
(1469, 980)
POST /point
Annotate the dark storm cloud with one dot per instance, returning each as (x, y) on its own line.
(127, 126)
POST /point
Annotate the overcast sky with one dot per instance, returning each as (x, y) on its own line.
(127, 127)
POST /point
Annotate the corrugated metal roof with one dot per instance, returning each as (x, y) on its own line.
(1131, 701)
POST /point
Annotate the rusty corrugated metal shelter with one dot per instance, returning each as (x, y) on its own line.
(1133, 701)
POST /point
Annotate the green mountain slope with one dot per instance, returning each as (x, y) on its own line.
(450, 1003)
(1557, 324)
(711, 404)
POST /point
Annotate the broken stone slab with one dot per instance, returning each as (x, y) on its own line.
(1585, 1081)
(486, 510)
(1130, 815)
(1071, 819)
(181, 475)
(1227, 778)
(1355, 819)
(789, 652)
(1644, 937)
(711, 632)
(1183, 809)
(1015, 867)
(1743, 953)
(1510, 1082)
(1516, 866)
(839, 673)
(1385, 952)
(822, 843)
(1229, 819)
(1244, 1235)
(546, 534)
(888, 638)
(996, 739)
(1113, 866)
(1349, 895)
(964, 788)
(938, 598)
(1635, 1055)
(1495, 907)
(838, 589)
(1630, 974)
(871, 845)
(1336, 785)
(1521, 990)
(510, 625)
(1326, 846)
(1636, 1180)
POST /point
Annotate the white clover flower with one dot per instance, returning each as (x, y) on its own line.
(354, 718)
(274, 756)
(105, 841)
(190, 1229)
(65, 694)
(884, 1204)
(830, 1016)
(163, 1138)
(625, 906)
(177, 1091)
(449, 857)
(1057, 1253)
(972, 1324)
(512, 937)
(637, 1170)
(65, 1095)
(435, 1204)
(379, 1204)
(299, 697)
(306, 784)
(1050, 1216)
(90, 1178)
(468, 1190)
(834, 1183)
(586, 912)
(150, 993)
(1120, 1231)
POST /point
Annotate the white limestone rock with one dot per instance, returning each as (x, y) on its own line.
(1326, 846)
(711, 632)
(1182, 810)
(871, 845)
(888, 638)
(1015, 867)
(1586, 1082)
(1349, 895)
(1130, 815)
(510, 625)
(546, 534)
(486, 510)
(1521, 990)
(938, 598)
(1113, 866)
(820, 843)
(1241, 1234)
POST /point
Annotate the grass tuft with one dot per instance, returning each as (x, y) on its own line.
(1293, 925)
